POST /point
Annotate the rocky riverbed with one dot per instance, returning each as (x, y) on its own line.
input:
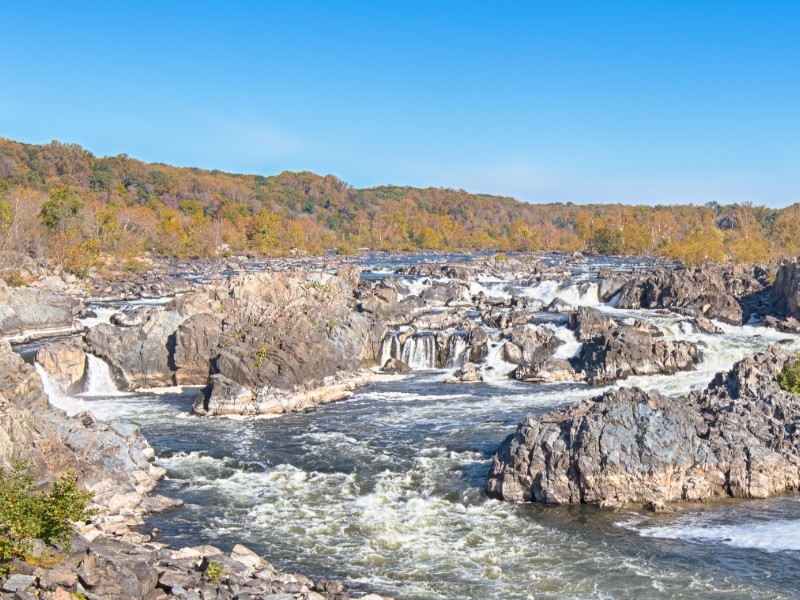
(517, 334)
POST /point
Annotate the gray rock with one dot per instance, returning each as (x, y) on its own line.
(394, 365)
(65, 362)
(737, 438)
(18, 583)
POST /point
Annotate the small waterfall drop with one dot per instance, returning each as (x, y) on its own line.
(568, 291)
(98, 378)
(456, 350)
(419, 351)
(391, 347)
(51, 388)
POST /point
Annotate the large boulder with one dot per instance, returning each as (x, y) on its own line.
(785, 293)
(737, 438)
(627, 352)
(65, 363)
(139, 356)
(40, 309)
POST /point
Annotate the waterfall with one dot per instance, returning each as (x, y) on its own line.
(568, 291)
(51, 388)
(98, 378)
(456, 350)
(390, 348)
(419, 351)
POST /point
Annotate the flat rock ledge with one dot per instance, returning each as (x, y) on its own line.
(737, 438)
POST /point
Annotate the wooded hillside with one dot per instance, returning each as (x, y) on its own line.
(60, 204)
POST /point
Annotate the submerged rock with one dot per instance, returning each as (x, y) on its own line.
(738, 438)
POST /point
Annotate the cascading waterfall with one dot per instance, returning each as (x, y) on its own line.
(99, 381)
(419, 351)
(456, 350)
(51, 388)
(570, 292)
(391, 347)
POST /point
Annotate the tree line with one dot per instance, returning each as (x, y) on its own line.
(60, 205)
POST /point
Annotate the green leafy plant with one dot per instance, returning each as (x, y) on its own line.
(26, 514)
(789, 377)
(261, 354)
(215, 572)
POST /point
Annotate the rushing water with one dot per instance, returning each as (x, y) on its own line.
(385, 490)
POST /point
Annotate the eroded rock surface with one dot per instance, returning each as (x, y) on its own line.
(738, 438)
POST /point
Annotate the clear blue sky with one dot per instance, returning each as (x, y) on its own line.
(640, 101)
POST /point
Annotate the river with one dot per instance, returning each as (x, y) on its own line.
(385, 490)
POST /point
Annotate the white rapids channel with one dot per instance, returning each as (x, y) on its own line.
(385, 490)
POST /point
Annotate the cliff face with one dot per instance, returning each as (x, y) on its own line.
(786, 290)
(737, 438)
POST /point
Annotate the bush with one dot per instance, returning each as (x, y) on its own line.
(26, 514)
(789, 377)
(215, 572)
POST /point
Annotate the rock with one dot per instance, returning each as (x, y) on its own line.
(41, 309)
(547, 370)
(394, 365)
(139, 356)
(18, 583)
(703, 325)
(714, 292)
(132, 317)
(512, 353)
(611, 282)
(61, 575)
(588, 323)
(107, 461)
(560, 306)
(478, 343)
(446, 294)
(469, 373)
(65, 362)
(737, 438)
(624, 353)
(785, 292)
(195, 342)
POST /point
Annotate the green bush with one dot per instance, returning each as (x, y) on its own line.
(789, 377)
(26, 514)
(215, 572)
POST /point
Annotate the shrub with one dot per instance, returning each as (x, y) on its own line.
(215, 572)
(15, 278)
(26, 514)
(789, 377)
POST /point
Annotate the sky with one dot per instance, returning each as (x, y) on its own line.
(645, 102)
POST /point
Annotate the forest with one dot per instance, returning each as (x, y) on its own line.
(61, 206)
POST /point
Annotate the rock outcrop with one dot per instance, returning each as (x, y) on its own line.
(715, 292)
(65, 362)
(738, 438)
(262, 343)
(37, 310)
(113, 462)
(785, 293)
